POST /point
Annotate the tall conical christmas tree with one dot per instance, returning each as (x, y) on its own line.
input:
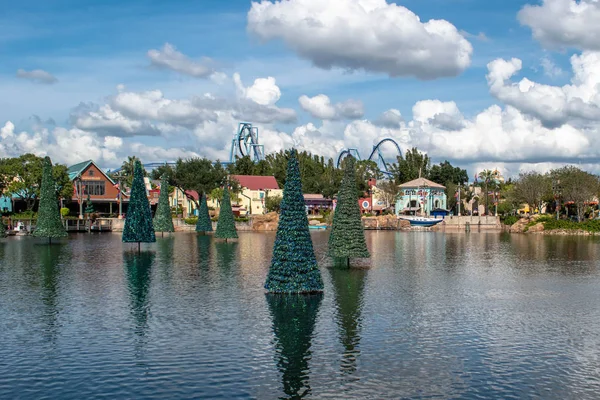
(204, 223)
(294, 266)
(347, 239)
(48, 223)
(138, 223)
(226, 224)
(163, 221)
(3, 233)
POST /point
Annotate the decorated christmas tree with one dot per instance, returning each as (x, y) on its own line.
(294, 319)
(89, 207)
(48, 223)
(138, 223)
(204, 223)
(3, 233)
(163, 221)
(226, 224)
(294, 266)
(347, 239)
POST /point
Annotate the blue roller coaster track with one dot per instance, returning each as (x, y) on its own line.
(376, 155)
(245, 143)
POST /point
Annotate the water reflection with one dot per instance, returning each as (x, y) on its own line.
(49, 259)
(138, 267)
(166, 251)
(294, 318)
(348, 288)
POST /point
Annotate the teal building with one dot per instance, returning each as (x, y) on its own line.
(420, 197)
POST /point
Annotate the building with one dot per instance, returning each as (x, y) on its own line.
(316, 202)
(373, 201)
(104, 193)
(255, 190)
(420, 197)
(184, 203)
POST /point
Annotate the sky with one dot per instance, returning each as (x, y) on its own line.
(512, 85)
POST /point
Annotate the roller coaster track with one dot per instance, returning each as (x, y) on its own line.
(376, 155)
(245, 143)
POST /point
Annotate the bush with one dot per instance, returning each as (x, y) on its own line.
(241, 219)
(25, 215)
(509, 219)
(64, 212)
(191, 220)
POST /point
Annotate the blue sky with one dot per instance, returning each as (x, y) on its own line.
(90, 47)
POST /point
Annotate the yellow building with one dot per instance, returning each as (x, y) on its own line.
(184, 200)
(255, 189)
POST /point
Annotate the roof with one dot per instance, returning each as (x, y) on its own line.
(255, 182)
(421, 183)
(192, 194)
(76, 170)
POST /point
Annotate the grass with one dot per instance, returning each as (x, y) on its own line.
(550, 223)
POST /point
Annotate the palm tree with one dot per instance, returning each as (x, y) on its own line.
(487, 180)
(127, 169)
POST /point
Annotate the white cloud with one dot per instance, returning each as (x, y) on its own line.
(264, 91)
(106, 121)
(169, 58)
(550, 69)
(320, 107)
(554, 105)
(257, 102)
(444, 115)
(37, 75)
(564, 23)
(369, 35)
(391, 118)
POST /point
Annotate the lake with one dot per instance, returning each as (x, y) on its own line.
(430, 315)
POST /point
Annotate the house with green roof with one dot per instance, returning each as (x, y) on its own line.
(104, 192)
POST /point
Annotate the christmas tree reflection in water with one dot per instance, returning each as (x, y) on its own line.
(349, 288)
(294, 318)
(138, 267)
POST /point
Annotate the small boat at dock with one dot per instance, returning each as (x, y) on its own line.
(421, 221)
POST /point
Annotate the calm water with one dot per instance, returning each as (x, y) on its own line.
(435, 316)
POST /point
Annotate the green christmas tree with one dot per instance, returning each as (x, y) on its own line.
(347, 239)
(226, 224)
(3, 233)
(89, 207)
(294, 319)
(294, 266)
(204, 223)
(48, 224)
(138, 222)
(163, 221)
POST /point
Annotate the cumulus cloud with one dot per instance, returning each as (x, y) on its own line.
(169, 58)
(320, 107)
(37, 76)
(106, 121)
(257, 102)
(391, 118)
(444, 115)
(369, 35)
(564, 23)
(554, 105)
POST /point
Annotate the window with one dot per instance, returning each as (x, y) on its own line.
(91, 172)
(93, 188)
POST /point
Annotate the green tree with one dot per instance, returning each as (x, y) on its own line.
(3, 233)
(128, 170)
(49, 223)
(204, 223)
(577, 186)
(226, 223)
(199, 174)
(532, 188)
(294, 266)
(347, 239)
(444, 173)
(163, 221)
(409, 167)
(487, 182)
(22, 177)
(273, 203)
(158, 172)
(138, 222)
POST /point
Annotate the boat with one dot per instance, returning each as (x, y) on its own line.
(421, 221)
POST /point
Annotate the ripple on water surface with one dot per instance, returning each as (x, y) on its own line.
(431, 315)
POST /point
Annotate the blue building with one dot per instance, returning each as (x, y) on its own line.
(420, 197)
